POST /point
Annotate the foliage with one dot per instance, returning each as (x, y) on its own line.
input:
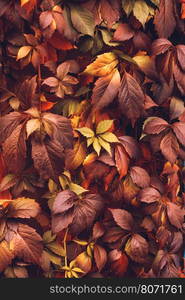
(92, 137)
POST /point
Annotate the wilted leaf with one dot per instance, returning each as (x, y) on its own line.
(23, 208)
(137, 248)
(140, 176)
(82, 20)
(100, 256)
(123, 218)
(170, 147)
(141, 11)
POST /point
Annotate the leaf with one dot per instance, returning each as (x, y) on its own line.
(122, 218)
(137, 248)
(109, 137)
(180, 79)
(107, 38)
(23, 208)
(176, 108)
(68, 209)
(25, 242)
(56, 248)
(6, 255)
(85, 131)
(84, 262)
(179, 130)
(175, 214)
(104, 126)
(16, 154)
(149, 195)
(51, 81)
(106, 89)
(169, 147)
(98, 230)
(75, 157)
(141, 11)
(103, 65)
(119, 262)
(181, 56)
(128, 6)
(82, 20)
(104, 145)
(164, 19)
(7, 182)
(123, 33)
(130, 145)
(160, 46)
(23, 52)
(100, 256)
(96, 146)
(8, 123)
(48, 158)
(122, 160)
(131, 98)
(154, 125)
(32, 125)
(76, 188)
(140, 176)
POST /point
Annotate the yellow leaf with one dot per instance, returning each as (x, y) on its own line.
(84, 262)
(90, 141)
(104, 145)
(103, 65)
(77, 189)
(52, 186)
(23, 52)
(14, 103)
(141, 11)
(54, 258)
(77, 270)
(90, 248)
(103, 126)
(83, 243)
(23, 2)
(96, 146)
(85, 131)
(31, 126)
(74, 274)
(109, 137)
(48, 237)
(64, 182)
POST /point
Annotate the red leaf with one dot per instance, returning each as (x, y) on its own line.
(122, 160)
(149, 195)
(100, 256)
(154, 125)
(169, 147)
(131, 98)
(137, 248)
(164, 19)
(181, 56)
(140, 176)
(179, 130)
(160, 46)
(175, 214)
(123, 33)
(119, 262)
(122, 218)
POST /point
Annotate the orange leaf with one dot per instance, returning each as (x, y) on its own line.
(47, 105)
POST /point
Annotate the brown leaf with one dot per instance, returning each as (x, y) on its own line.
(180, 79)
(106, 89)
(76, 156)
(48, 158)
(123, 33)
(179, 130)
(78, 213)
(100, 256)
(25, 242)
(16, 154)
(23, 208)
(149, 195)
(154, 125)
(6, 255)
(122, 218)
(98, 230)
(130, 145)
(169, 147)
(122, 160)
(137, 248)
(176, 108)
(164, 19)
(119, 262)
(131, 98)
(140, 176)
(175, 214)
(181, 56)
(160, 46)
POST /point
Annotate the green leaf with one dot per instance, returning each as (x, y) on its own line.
(77, 189)
(128, 6)
(104, 145)
(96, 146)
(109, 137)
(141, 11)
(103, 126)
(85, 131)
(82, 19)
